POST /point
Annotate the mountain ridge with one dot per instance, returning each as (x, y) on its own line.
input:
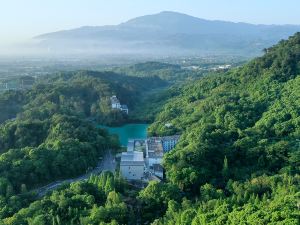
(166, 13)
(169, 33)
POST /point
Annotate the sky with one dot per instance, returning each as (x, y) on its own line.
(24, 19)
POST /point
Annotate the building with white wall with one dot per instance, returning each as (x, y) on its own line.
(115, 104)
(145, 156)
(132, 165)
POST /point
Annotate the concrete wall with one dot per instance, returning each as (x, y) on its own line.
(116, 105)
(154, 161)
(135, 172)
(159, 174)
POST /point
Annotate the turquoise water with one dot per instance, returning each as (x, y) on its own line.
(128, 131)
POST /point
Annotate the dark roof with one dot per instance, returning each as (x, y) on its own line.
(114, 100)
(124, 107)
(158, 168)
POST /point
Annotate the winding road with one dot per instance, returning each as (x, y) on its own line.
(107, 163)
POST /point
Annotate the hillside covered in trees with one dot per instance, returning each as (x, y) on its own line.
(168, 72)
(237, 161)
(240, 126)
(246, 119)
(46, 133)
(93, 201)
(82, 93)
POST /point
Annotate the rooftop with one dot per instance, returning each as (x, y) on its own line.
(124, 107)
(174, 137)
(114, 100)
(130, 145)
(132, 158)
(155, 148)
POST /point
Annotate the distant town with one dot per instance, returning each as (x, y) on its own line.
(18, 83)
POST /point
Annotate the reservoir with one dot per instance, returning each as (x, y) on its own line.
(128, 131)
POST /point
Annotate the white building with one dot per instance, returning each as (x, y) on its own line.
(144, 157)
(115, 103)
(132, 165)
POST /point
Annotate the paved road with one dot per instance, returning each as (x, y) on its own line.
(107, 163)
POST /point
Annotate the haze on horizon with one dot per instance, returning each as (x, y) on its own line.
(23, 20)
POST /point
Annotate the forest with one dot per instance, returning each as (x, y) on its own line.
(237, 161)
(85, 94)
(173, 74)
(247, 119)
(48, 132)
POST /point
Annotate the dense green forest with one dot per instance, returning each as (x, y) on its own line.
(247, 120)
(82, 93)
(36, 152)
(107, 199)
(151, 103)
(100, 199)
(46, 132)
(237, 161)
(260, 200)
(171, 73)
(235, 127)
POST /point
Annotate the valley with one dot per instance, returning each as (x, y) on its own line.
(236, 161)
(129, 112)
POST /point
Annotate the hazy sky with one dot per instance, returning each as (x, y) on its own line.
(22, 19)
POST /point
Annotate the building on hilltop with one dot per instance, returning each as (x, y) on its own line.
(115, 104)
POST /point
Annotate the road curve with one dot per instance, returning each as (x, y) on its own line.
(107, 163)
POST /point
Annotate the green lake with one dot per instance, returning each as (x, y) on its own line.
(129, 131)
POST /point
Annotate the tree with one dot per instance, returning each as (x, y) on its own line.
(225, 170)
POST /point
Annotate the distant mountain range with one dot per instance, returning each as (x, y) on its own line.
(167, 33)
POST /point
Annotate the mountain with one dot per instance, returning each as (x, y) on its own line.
(167, 33)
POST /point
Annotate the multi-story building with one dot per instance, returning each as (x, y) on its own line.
(145, 157)
(169, 142)
(115, 104)
(132, 165)
(154, 152)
